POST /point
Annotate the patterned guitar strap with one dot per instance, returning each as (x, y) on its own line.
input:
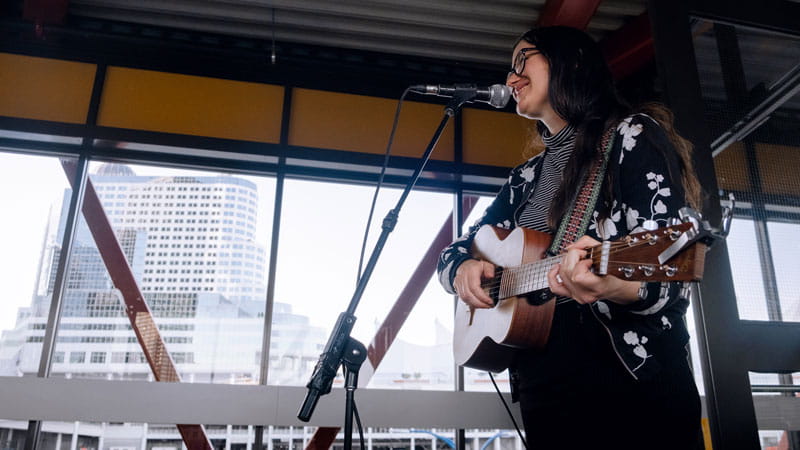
(574, 226)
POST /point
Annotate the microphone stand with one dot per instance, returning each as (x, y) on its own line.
(341, 348)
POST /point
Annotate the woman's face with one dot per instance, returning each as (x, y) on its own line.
(529, 81)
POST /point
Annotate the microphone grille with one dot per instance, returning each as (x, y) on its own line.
(499, 95)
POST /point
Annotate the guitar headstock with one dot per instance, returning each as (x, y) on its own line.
(636, 256)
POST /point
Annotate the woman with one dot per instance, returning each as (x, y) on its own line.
(614, 372)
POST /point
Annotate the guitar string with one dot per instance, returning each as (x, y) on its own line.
(544, 265)
(538, 270)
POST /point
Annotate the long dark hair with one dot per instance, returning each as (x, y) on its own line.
(582, 92)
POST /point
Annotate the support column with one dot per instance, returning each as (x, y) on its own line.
(729, 401)
(73, 445)
(100, 439)
(143, 446)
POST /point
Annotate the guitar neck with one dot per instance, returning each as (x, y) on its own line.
(634, 258)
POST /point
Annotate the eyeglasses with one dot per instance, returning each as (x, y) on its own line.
(519, 61)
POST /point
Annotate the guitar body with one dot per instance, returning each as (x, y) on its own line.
(485, 339)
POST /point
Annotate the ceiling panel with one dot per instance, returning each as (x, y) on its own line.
(460, 30)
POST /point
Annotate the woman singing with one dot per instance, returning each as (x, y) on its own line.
(614, 372)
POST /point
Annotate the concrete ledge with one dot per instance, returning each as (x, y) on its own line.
(137, 401)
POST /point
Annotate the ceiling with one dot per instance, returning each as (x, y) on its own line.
(478, 31)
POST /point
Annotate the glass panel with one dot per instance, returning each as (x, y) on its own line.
(139, 436)
(785, 247)
(196, 244)
(32, 193)
(740, 68)
(768, 390)
(412, 438)
(320, 247)
(746, 269)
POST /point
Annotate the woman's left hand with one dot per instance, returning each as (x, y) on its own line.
(574, 278)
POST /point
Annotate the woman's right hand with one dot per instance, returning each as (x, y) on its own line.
(467, 282)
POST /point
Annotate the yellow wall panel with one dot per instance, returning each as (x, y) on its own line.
(494, 138)
(778, 164)
(45, 89)
(731, 169)
(185, 104)
(360, 123)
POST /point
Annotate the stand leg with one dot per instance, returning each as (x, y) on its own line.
(354, 355)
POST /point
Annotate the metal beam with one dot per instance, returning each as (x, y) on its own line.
(630, 48)
(45, 12)
(783, 90)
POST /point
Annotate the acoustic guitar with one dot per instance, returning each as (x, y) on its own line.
(485, 339)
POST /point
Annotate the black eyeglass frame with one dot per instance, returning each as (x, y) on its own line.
(519, 60)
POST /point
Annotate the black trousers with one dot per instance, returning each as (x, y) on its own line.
(657, 414)
(577, 395)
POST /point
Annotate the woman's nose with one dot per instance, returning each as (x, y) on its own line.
(511, 79)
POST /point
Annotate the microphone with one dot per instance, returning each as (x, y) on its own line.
(496, 95)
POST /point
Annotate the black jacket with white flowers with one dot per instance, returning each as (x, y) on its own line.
(646, 193)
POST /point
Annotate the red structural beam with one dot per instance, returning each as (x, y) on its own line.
(630, 48)
(571, 13)
(324, 436)
(47, 12)
(135, 306)
(627, 50)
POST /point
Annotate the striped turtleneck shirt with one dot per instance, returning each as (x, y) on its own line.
(558, 149)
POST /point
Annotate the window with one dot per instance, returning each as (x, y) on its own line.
(30, 186)
(156, 257)
(334, 266)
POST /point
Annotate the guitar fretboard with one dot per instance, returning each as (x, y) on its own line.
(515, 281)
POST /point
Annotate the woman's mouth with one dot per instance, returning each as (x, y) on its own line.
(517, 91)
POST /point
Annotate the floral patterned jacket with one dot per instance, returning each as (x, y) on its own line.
(652, 330)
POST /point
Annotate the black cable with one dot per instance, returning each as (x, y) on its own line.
(380, 181)
(508, 410)
(358, 423)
